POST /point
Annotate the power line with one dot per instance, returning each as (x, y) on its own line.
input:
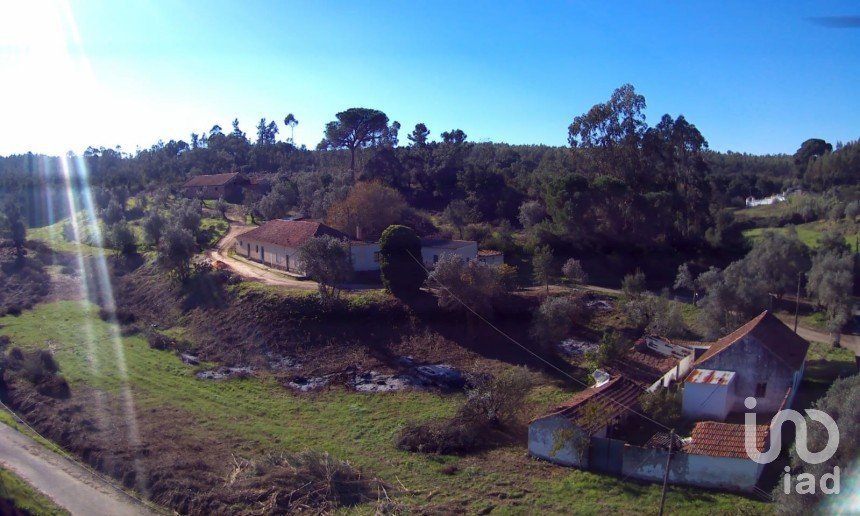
(527, 350)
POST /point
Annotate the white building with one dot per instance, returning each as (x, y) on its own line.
(491, 257)
(433, 249)
(276, 244)
(763, 359)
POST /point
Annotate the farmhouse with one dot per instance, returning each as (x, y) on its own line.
(763, 359)
(276, 244)
(433, 249)
(213, 186)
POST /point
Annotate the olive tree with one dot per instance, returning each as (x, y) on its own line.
(326, 261)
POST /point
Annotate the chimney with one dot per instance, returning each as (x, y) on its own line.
(357, 232)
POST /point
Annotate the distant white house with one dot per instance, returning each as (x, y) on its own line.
(767, 201)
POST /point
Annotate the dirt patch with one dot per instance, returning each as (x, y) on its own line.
(577, 348)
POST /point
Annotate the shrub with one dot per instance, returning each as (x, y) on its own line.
(509, 277)
(159, 341)
(492, 406)
(400, 264)
(295, 482)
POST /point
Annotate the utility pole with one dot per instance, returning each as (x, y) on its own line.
(666, 473)
(797, 301)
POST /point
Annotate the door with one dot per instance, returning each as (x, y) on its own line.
(249, 250)
(262, 254)
(605, 455)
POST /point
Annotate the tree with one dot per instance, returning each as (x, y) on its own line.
(291, 122)
(368, 209)
(15, 226)
(121, 238)
(400, 261)
(113, 213)
(327, 261)
(611, 346)
(554, 319)
(633, 285)
(830, 282)
(454, 137)
(222, 207)
(464, 285)
(810, 149)
(573, 271)
(356, 128)
(458, 214)
(842, 403)
(684, 279)
(542, 262)
(531, 213)
(176, 249)
(153, 226)
(266, 133)
(419, 135)
(509, 277)
(188, 213)
(776, 260)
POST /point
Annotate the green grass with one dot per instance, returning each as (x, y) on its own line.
(25, 497)
(357, 427)
(218, 227)
(52, 236)
(808, 233)
(824, 363)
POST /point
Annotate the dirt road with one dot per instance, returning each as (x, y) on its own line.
(253, 272)
(67, 484)
(848, 341)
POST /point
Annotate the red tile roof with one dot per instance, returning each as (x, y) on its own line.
(769, 332)
(643, 364)
(723, 439)
(489, 252)
(290, 233)
(210, 180)
(596, 407)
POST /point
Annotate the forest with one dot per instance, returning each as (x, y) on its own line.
(621, 185)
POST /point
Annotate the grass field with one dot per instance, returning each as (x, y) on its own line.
(358, 427)
(24, 497)
(808, 233)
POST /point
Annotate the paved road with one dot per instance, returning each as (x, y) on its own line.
(67, 484)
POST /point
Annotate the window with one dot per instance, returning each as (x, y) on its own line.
(376, 257)
(256, 249)
(435, 258)
(760, 389)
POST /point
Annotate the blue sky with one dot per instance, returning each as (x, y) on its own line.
(755, 79)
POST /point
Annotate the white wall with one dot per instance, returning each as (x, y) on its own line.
(363, 256)
(468, 252)
(277, 256)
(703, 401)
(696, 470)
(543, 434)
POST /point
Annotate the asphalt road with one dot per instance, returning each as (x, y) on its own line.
(67, 484)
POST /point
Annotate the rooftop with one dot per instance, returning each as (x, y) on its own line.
(290, 233)
(489, 252)
(649, 359)
(772, 334)
(441, 243)
(710, 376)
(211, 180)
(723, 439)
(597, 407)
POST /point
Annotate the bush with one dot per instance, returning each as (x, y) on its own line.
(294, 482)
(493, 406)
(159, 341)
(400, 264)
